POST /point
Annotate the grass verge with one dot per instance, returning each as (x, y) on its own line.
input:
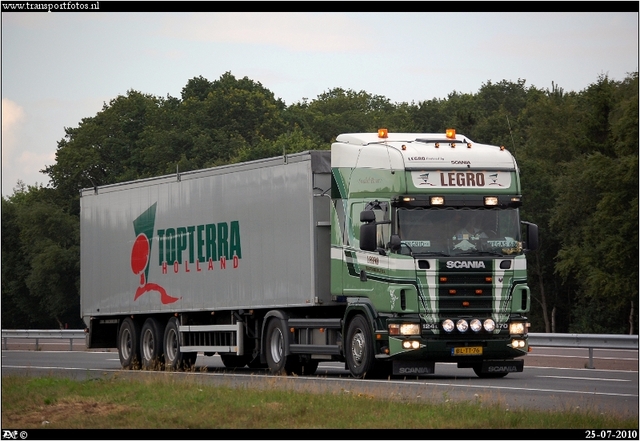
(121, 403)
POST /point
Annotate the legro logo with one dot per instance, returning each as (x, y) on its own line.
(141, 255)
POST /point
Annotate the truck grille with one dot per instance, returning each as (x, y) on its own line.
(465, 293)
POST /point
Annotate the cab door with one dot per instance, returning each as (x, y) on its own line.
(367, 253)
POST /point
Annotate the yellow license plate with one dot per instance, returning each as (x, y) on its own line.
(467, 350)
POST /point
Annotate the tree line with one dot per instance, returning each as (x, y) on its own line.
(577, 151)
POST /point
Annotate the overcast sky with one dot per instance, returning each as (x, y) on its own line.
(58, 68)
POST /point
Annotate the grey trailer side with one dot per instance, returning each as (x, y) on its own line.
(214, 248)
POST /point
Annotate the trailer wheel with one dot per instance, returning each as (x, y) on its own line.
(151, 344)
(359, 351)
(277, 361)
(129, 344)
(175, 359)
(275, 347)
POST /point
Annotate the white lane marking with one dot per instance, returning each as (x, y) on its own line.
(581, 356)
(581, 378)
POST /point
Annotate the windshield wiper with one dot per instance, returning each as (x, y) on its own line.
(479, 253)
(430, 253)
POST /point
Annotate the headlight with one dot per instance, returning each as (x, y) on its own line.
(489, 325)
(516, 328)
(404, 329)
(475, 325)
(462, 325)
(448, 325)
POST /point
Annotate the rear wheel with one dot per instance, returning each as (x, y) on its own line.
(175, 359)
(151, 344)
(129, 344)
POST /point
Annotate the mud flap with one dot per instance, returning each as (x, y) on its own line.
(501, 366)
(413, 368)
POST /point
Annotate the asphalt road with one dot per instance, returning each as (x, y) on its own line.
(553, 378)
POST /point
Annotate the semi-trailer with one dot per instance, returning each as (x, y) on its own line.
(389, 252)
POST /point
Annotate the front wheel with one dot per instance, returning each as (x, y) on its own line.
(359, 350)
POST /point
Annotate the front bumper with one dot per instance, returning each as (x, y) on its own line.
(453, 350)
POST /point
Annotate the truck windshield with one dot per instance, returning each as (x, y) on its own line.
(459, 231)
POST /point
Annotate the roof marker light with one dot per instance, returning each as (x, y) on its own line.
(383, 133)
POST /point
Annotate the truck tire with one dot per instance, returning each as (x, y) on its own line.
(129, 344)
(359, 351)
(277, 362)
(174, 358)
(151, 339)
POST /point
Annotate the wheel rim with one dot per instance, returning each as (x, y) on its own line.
(357, 347)
(171, 351)
(276, 346)
(147, 345)
(125, 343)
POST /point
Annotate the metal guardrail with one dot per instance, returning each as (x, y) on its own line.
(589, 341)
(37, 334)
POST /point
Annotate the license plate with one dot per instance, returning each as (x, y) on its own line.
(467, 350)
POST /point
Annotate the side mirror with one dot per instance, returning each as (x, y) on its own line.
(532, 236)
(369, 231)
(368, 237)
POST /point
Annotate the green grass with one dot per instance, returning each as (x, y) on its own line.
(167, 402)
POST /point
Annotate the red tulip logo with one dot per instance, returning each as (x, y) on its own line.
(141, 255)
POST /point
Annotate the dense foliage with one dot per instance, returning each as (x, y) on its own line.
(578, 153)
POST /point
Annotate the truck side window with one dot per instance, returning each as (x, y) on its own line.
(381, 210)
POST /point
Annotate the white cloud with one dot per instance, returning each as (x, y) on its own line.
(30, 135)
(318, 32)
(13, 117)
(19, 160)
